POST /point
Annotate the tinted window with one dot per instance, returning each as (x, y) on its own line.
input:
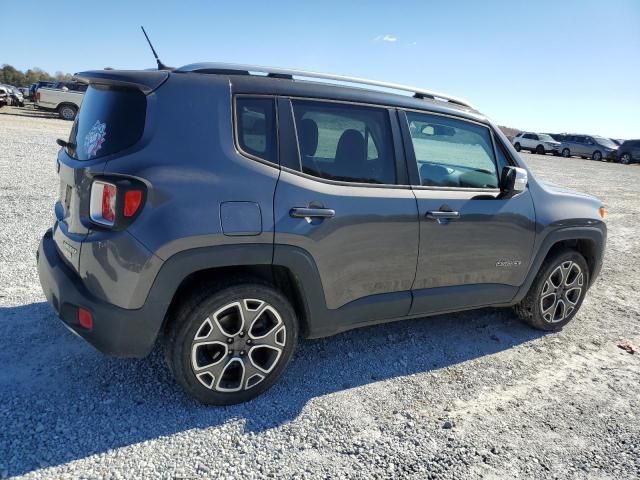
(580, 139)
(529, 136)
(345, 142)
(256, 121)
(110, 120)
(452, 153)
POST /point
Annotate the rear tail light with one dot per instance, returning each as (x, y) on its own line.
(114, 204)
(132, 201)
(102, 208)
(85, 319)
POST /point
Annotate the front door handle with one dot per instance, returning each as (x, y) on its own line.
(309, 212)
(442, 217)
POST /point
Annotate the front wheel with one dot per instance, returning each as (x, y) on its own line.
(540, 150)
(597, 156)
(557, 292)
(625, 159)
(230, 345)
(566, 153)
(517, 147)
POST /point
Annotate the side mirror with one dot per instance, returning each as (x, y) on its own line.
(513, 181)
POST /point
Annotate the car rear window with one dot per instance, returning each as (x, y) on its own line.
(110, 120)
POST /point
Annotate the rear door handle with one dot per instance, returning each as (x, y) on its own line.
(308, 212)
(442, 217)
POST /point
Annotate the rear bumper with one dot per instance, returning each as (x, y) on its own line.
(116, 331)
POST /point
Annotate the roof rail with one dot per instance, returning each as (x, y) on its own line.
(240, 69)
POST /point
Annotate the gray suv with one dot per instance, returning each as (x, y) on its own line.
(588, 146)
(227, 214)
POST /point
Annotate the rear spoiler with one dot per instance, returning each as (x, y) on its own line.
(145, 80)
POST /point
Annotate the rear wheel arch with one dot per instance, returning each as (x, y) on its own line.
(275, 276)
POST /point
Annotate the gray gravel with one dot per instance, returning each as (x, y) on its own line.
(475, 395)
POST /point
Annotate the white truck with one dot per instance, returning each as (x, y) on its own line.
(64, 98)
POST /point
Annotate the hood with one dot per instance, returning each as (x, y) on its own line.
(560, 190)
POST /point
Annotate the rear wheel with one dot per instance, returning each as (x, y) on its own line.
(67, 112)
(540, 150)
(597, 155)
(625, 159)
(566, 153)
(517, 146)
(557, 292)
(230, 345)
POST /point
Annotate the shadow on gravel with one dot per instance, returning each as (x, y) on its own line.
(28, 112)
(60, 400)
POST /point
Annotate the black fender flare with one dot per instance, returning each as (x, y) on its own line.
(596, 235)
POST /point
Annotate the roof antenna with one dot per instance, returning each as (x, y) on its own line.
(161, 66)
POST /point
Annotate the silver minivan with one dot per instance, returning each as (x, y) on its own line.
(588, 146)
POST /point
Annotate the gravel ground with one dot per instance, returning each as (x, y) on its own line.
(475, 395)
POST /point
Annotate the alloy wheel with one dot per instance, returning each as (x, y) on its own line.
(597, 156)
(238, 346)
(625, 159)
(565, 153)
(561, 292)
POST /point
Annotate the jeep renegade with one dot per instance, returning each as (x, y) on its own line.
(228, 210)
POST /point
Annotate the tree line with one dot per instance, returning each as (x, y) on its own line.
(12, 76)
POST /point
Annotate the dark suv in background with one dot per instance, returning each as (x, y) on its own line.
(229, 213)
(628, 152)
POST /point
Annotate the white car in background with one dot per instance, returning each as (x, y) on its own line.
(65, 98)
(539, 143)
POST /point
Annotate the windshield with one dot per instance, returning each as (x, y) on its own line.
(605, 142)
(545, 138)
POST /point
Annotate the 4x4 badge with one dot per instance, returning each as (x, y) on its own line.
(95, 138)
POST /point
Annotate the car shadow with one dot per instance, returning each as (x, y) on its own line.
(29, 112)
(61, 401)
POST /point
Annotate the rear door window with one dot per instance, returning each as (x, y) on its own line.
(345, 142)
(452, 152)
(110, 120)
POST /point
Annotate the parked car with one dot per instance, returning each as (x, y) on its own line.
(588, 146)
(628, 152)
(540, 143)
(231, 214)
(65, 100)
(5, 99)
(17, 97)
(24, 91)
(14, 97)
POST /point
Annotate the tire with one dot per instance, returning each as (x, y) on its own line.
(540, 150)
(597, 156)
(541, 308)
(210, 334)
(566, 153)
(517, 146)
(625, 159)
(67, 112)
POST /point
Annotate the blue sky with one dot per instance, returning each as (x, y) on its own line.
(546, 65)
